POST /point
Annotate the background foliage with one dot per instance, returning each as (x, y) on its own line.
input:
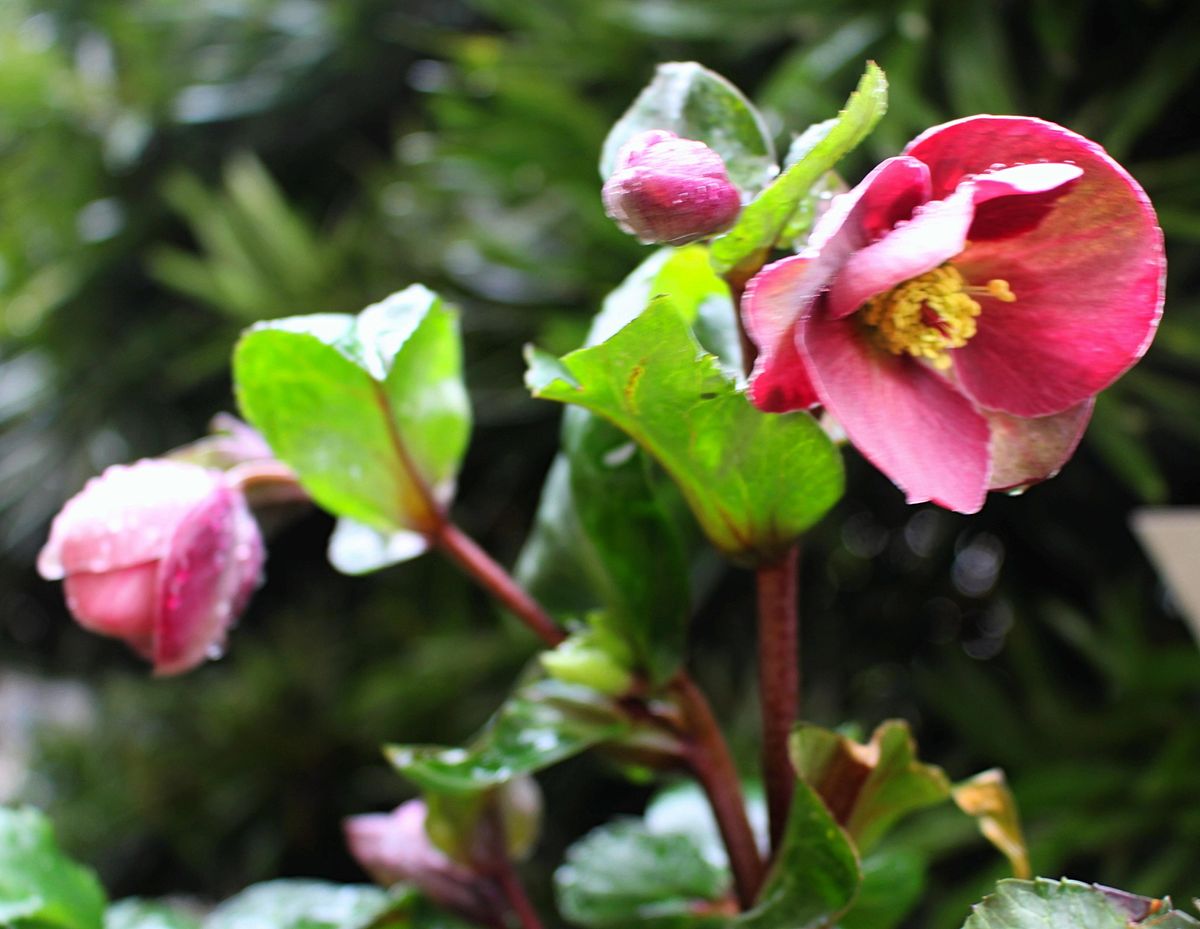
(172, 171)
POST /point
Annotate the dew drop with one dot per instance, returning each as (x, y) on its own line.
(215, 652)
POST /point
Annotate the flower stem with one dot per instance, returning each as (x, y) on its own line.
(467, 554)
(779, 682)
(514, 892)
(708, 756)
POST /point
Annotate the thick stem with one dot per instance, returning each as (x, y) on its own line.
(467, 554)
(709, 758)
(779, 682)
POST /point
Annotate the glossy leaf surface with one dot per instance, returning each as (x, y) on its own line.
(606, 509)
(370, 411)
(755, 481)
(540, 725)
(300, 904)
(1045, 904)
(136, 913)
(625, 873)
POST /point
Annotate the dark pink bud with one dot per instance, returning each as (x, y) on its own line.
(671, 190)
(162, 554)
(394, 847)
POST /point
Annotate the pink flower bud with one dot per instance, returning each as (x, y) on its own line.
(394, 847)
(162, 554)
(668, 189)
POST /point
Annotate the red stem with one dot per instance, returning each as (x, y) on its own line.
(514, 892)
(779, 682)
(708, 755)
(467, 554)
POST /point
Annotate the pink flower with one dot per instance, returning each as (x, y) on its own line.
(668, 189)
(160, 553)
(393, 847)
(958, 310)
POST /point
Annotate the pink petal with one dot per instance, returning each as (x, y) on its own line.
(1025, 451)
(200, 581)
(784, 291)
(123, 517)
(904, 418)
(1088, 278)
(936, 233)
(885, 197)
(773, 300)
(119, 603)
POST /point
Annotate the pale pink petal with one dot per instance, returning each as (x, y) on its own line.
(123, 517)
(773, 301)
(904, 418)
(394, 847)
(199, 584)
(119, 603)
(1023, 179)
(936, 233)
(1025, 451)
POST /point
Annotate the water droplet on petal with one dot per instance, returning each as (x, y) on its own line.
(215, 652)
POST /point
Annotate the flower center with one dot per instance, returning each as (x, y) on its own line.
(929, 314)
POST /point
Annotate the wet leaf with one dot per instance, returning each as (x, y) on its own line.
(370, 411)
(755, 481)
(540, 725)
(40, 887)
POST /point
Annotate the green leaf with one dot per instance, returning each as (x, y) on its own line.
(136, 913)
(814, 153)
(816, 873)
(301, 904)
(540, 725)
(370, 411)
(893, 880)
(624, 873)
(696, 103)
(39, 886)
(606, 509)
(1045, 904)
(867, 786)
(754, 480)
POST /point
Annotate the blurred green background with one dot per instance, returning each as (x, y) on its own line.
(172, 170)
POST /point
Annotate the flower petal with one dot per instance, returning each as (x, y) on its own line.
(1025, 451)
(1088, 278)
(936, 233)
(119, 603)
(904, 418)
(198, 586)
(773, 300)
(123, 517)
(885, 197)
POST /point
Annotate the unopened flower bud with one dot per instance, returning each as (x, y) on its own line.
(161, 554)
(670, 190)
(394, 847)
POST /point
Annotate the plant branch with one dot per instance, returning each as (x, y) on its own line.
(708, 756)
(779, 682)
(514, 892)
(466, 553)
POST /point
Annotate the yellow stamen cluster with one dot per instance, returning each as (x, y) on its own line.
(927, 315)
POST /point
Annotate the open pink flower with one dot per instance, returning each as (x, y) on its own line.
(161, 554)
(958, 310)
